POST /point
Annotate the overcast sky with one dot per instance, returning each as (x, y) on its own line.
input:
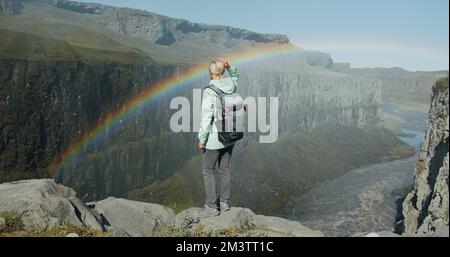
(412, 34)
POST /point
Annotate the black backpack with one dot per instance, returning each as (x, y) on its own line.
(230, 113)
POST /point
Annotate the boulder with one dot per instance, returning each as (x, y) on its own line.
(44, 204)
(134, 218)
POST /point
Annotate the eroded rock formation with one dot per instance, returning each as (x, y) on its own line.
(425, 209)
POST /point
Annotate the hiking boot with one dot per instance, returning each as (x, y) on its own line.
(224, 206)
(208, 212)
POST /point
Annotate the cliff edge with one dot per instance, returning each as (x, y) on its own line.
(46, 208)
(425, 208)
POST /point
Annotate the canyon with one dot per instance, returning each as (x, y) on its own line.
(64, 66)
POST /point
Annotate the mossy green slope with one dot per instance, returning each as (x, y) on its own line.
(25, 46)
(442, 83)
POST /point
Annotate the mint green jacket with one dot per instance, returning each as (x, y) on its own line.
(208, 134)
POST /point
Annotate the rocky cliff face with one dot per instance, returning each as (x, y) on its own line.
(401, 84)
(45, 105)
(10, 7)
(13, 7)
(150, 26)
(166, 31)
(426, 208)
(74, 6)
(309, 100)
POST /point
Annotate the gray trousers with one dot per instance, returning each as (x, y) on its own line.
(217, 184)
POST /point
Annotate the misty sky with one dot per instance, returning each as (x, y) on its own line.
(412, 34)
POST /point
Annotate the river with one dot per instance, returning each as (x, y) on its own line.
(364, 199)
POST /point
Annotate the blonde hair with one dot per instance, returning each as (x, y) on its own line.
(216, 68)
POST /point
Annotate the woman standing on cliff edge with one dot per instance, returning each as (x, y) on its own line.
(214, 150)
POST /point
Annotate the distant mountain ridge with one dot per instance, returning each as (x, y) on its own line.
(92, 8)
(398, 83)
(153, 27)
(165, 40)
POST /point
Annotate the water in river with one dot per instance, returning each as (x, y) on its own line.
(363, 199)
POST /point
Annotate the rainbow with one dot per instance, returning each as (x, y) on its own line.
(152, 91)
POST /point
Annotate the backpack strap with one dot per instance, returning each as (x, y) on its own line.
(217, 90)
(220, 94)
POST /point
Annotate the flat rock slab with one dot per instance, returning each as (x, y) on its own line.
(135, 218)
(235, 218)
(382, 234)
(441, 232)
(245, 220)
(284, 227)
